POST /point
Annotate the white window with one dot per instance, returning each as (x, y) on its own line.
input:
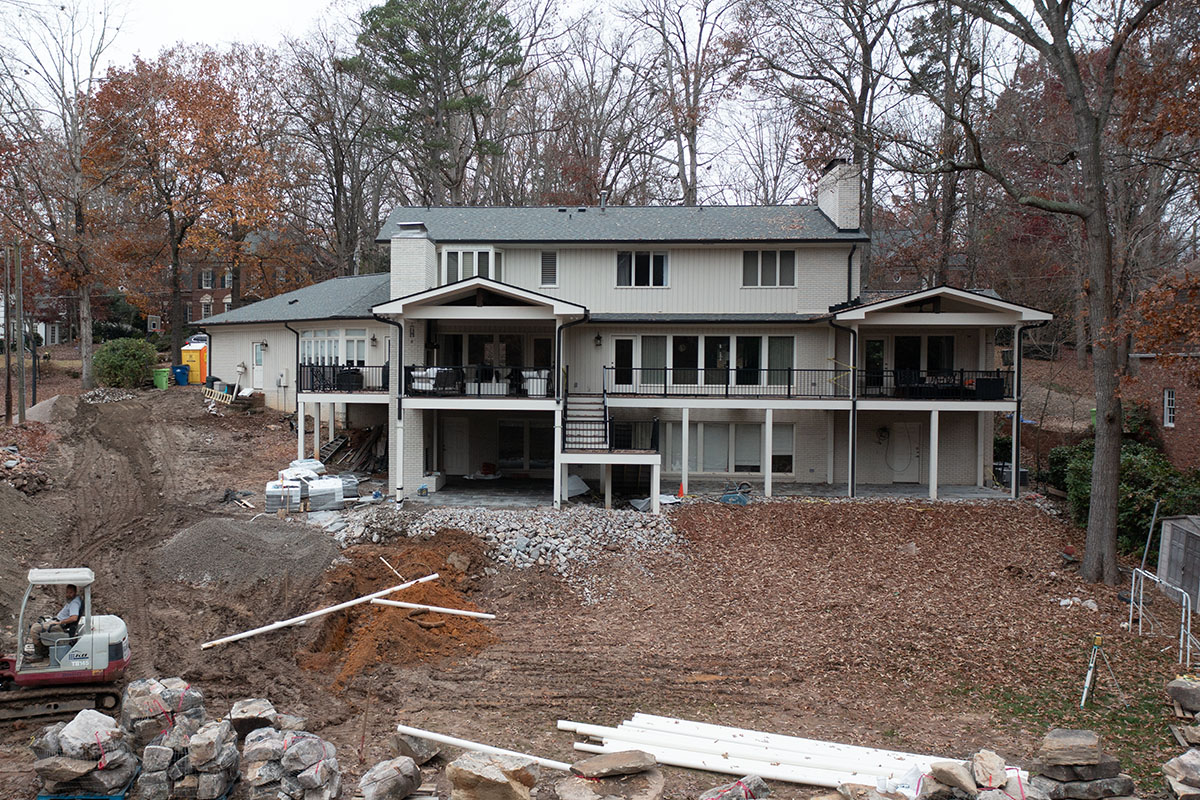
(768, 268)
(549, 268)
(458, 265)
(205, 310)
(356, 347)
(228, 304)
(187, 313)
(1168, 408)
(206, 279)
(227, 278)
(641, 268)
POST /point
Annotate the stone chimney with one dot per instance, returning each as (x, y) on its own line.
(838, 193)
(414, 260)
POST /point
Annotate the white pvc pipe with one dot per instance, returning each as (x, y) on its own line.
(725, 733)
(740, 766)
(481, 748)
(882, 764)
(314, 614)
(458, 612)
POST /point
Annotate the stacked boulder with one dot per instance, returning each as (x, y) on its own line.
(481, 776)
(390, 780)
(1186, 692)
(985, 777)
(151, 708)
(1071, 765)
(629, 774)
(1183, 775)
(290, 764)
(87, 755)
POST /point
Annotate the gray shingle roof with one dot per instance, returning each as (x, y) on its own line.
(701, 318)
(621, 224)
(340, 298)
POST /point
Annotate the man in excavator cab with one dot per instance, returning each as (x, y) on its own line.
(61, 626)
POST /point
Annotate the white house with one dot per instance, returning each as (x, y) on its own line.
(664, 342)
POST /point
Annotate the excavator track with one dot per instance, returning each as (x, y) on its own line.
(56, 701)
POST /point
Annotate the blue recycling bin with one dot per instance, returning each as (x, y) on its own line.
(181, 374)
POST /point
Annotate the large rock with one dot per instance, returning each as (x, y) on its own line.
(390, 780)
(88, 734)
(1181, 790)
(61, 768)
(319, 774)
(290, 722)
(954, 774)
(302, 750)
(109, 781)
(180, 696)
(260, 773)
(647, 785)
(1063, 746)
(252, 714)
(989, 770)
(263, 744)
(625, 762)
(45, 743)
(747, 788)
(1186, 692)
(206, 743)
(862, 791)
(1109, 767)
(419, 750)
(1017, 787)
(1184, 768)
(211, 785)
(153, 786)
(479, 776)
(186, 787)
(156, 758)
(225, 760)
(1084, 790)
(330, 791)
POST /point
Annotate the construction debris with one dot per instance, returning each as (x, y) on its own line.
(1073, 766)
(750, 787)
(86, 755)
(152, 709)
(645, 785)
(308, 768)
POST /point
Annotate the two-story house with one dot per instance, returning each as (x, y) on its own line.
(670, 343)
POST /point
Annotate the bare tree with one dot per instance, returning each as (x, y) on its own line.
(767, 160)
(49, 70)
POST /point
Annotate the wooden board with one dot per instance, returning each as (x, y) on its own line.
(220, 397)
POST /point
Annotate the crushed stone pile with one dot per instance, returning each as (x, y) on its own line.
(521, 538)
(104, 394)
(239, 553)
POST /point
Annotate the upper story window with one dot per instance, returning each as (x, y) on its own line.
(459, 265)
(1168, 408)
(641, 268)
(227, 278)
(549, 271)
(205, 310)
(768, 268)
(206, 279)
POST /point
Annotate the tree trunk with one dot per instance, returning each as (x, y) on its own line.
(176, 311)
(87, 376)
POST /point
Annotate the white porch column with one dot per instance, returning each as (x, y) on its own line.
(398, 467)
(558, 465)
(562, 483)
(608, 486)
(299, 429)
(332, 413)
(1015, 468)
(830, 435)
(655, 487)
(316, 430)
(768, 443)
(933, 454)
(685, 450)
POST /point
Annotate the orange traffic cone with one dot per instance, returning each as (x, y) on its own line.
(680, 495)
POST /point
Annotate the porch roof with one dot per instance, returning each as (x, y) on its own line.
(493, 299)
(944, 305)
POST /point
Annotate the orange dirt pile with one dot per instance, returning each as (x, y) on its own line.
(369, 635)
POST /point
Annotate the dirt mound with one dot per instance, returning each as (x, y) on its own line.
(23, 527)
(60, 408)
(237, 553)
(370, 635)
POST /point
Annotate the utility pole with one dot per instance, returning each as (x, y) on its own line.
(7, 336)
(20, 339)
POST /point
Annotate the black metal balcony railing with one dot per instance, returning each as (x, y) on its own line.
(924, 384)
(727, 382)
(479, 381)
(344, 379)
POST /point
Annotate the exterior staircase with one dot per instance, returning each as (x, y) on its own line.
(585, 423)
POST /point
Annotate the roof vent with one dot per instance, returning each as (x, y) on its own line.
(293, 301)
(562, 210)
(603, 199)
(582, 209)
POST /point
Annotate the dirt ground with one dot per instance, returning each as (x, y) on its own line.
(925, 627)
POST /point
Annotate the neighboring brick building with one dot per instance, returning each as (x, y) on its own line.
(1174, 401)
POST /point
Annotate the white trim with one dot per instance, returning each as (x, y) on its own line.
(731, 402)
(468, 286)
(479, 313)
(1169, 407)
(604, 457)
(965, 319)
(1025, 313)
(344, 397)
(481, 403)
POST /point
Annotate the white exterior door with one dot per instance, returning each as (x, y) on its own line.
(904, 452)
(256, 365)
(455, 446)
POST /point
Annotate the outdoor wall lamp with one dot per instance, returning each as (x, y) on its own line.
(264, 344)
(412, 331)
(374, 341)
(599, 340)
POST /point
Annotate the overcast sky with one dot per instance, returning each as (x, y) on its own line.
(151, 25)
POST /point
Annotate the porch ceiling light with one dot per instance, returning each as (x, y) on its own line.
(599, 340)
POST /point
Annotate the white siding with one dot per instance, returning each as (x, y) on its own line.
(232, 345)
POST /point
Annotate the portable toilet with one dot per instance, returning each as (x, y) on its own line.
(195, 356)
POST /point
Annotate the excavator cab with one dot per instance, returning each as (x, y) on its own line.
(96, 650)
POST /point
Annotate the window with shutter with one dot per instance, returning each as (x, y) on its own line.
(549, 268)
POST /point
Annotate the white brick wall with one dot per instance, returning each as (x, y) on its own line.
(838, 195)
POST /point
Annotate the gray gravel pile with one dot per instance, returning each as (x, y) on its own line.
(559, 540)
(239, 553)
(103, 394)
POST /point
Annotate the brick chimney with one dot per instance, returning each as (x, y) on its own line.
(414, 260)
(838, 194)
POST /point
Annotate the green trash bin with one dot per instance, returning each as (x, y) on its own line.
(161, 378)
